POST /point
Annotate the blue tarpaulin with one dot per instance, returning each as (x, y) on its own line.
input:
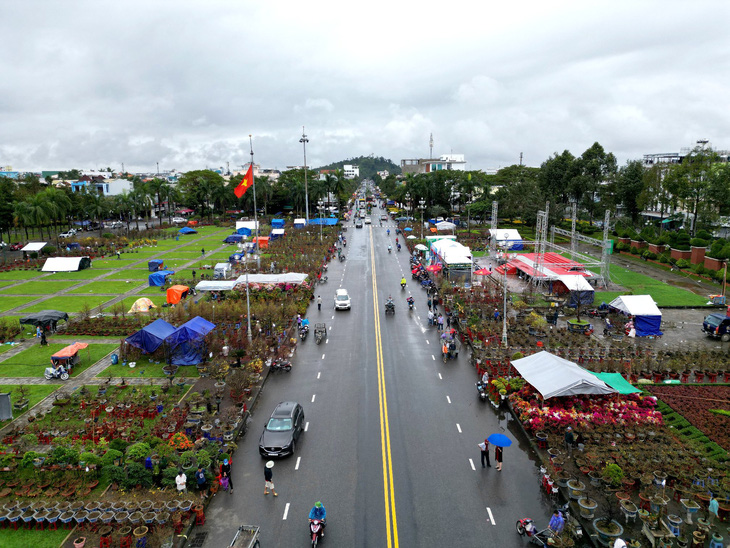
(277, 223)
(82, 223)
(154, 265)
(149, 338)
(187, 230)
(233, 239)
(235, 258)
(187, 341)
(243, 231)
(329, 221)
(73, 245)
(157, 279)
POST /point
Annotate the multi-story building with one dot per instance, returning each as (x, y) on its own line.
(350, 171)
(448, 162)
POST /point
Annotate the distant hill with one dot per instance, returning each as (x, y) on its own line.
(369, 166)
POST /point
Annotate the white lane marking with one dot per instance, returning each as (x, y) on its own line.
(333, 316)
(318, 374)
(306, 426)
(458, 427)
(286, 511)
(428, 342)
(440, 377)
(491, 517)
(296, 466)
(313, 396)
(326, 341)
(471, 462)
(448, 399)
(322, 356)
(330, 327)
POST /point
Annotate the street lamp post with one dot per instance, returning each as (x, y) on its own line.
(304, 142)
(422, 207)
(408, 201)
(320, 207)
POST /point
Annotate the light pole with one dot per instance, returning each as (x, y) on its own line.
(255, 213)
(408, 201)
(422, 207)
(248, 307)
(504, 309)
(320, 207)
(304, 142)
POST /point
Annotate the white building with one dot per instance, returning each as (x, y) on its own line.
(448, 162)
(351, 172)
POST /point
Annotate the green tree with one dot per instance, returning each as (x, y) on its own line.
(157, 187)
(200, 188)
(596, 167)
(628, 187)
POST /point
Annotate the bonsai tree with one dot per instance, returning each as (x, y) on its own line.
(613, 475)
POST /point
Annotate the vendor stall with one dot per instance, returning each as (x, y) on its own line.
(177, 293)
(69, 356)
(155, 265)
(157, 279)
(646, 315)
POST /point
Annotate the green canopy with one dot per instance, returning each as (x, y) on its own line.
(617, 382)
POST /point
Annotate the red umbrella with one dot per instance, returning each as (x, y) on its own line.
(434, 268)
(482, 272)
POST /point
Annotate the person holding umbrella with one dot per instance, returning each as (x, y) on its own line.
(499, 441)
(498, 458)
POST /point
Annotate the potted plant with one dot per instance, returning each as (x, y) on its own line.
(607, 527)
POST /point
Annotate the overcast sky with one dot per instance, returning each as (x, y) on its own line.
(94, 84)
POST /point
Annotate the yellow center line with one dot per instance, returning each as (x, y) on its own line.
(388, 488)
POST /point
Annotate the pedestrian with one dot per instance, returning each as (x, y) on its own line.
(484, 448)
(38, 331)
(225, 471)
(448, 320)
(496, 315)
(557, 522)
(569, 441)
(202, 251)
(119, 255)
(181, 481)
(498, 458)
(429, 303)
(193, 274)
(268, 477)
(441, 323)
(430, 317)
(44, 342)
(712, 509)
(202, 482)
(319, 302)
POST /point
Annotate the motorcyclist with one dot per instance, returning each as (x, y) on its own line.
(403, 281)
(409, 300)
(318, 512)
(398, 246)
(396, 240)
(390, 248)
(388, 232)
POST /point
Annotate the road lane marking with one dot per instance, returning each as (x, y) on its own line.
(313, 396)
(306, 426)
(448, 399)
(286, 511)
(458, 427)
(433, 357)
(428, 342)
(391, 521)
(330, 327)
(491, 517)
(319, 373)
(299, 459)
(471, 462)
(326, 341)
(322, 356)
(440, 377)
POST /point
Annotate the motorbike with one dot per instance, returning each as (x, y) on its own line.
(410, 303)
(482, 390)
(398, 248)
(303, 332)
(342, 257)
(344, 242)
(59, 372)
(280, 364)
(390, 307)
(390, 249)
(316, 530)
(402, 286)
(323, 280)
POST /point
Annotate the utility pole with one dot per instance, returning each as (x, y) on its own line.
(255, 218)
(430, 147)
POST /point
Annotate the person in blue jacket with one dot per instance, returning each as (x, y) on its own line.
(318, 512)
(556, 523)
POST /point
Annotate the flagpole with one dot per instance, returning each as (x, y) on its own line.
(255, 214)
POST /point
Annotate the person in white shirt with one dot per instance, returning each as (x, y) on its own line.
(181, 481)
(430, 317)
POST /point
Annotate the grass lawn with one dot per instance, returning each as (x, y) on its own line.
(33, 361)
(38, 288)
(21, 275)
(38, 539)
(129, 274)
(67, 303)
(222, 256)
(147, 253)
(605, 297)
(114, 263)
(80, 275)
(145, 369)
(187, 255)
(662, 293)
(149, 291)
(111, 287)
(5, 347)
(36, 393)
(7, 303)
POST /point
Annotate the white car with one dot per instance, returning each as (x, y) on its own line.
(68, 234)
(179, 220)
(368, 220)
(342, 300)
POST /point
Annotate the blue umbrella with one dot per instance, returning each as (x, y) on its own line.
(500, 440)
(408, 229)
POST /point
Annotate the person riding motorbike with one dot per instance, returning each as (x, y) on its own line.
(409, 300)
(389, 248)
(318, 512)
(396, 240)
(388, 231)
(398, 246)
(403, 282)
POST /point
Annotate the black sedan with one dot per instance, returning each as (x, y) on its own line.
(281, 433)
(358, 223)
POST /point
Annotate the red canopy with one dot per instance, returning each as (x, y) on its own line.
(70, 350)
(483, 272)
(434, 268)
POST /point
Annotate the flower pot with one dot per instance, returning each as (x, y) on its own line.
(79, 542)
(607, 530)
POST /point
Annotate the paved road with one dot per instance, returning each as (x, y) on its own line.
(391, 442)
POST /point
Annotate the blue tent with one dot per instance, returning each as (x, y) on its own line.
(73, 245)
(243, 231)
(277, 223)
(150, 337)
(235, 258)
(233, 239)
(82, 223)
(187, 230)
(157, 279)
(328, 221)
(155, 264)
(187, 341)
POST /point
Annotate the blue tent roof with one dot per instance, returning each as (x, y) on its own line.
(235, 257)
(157, 279)
(187, 343)
(243, 231)
(325, 221)
(150, 337)
(277, 223)
(187, 230)
(154, 265)
(233, 239)
(73, 245)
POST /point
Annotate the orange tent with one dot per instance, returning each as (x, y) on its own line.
(70, 350)
(192, 223)
(176, 293)
(263, 241)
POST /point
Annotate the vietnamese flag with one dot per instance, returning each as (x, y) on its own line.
(245, 184)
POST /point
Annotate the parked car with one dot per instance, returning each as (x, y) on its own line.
(17, 246)
(342, 300)
(717, 326)
(115, 224)
(68, 234)
(282, 431)
(179, 220)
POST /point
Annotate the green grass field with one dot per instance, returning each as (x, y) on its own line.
(130, 274)
(38, 288)
(36, 393)
(111, 287)
(21, 275)
(33, 361)
(67, 303)
(662, 293)
(113, 264)
(79, 276)
(7, 303)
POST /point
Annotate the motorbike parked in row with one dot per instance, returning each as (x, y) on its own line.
(280, 364)
(482, 390)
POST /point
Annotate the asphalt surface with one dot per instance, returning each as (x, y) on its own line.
(408, 475)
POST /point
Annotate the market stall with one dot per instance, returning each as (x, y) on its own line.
(646, 315)
(69, 356)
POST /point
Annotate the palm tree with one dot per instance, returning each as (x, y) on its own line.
(171, 194)
(158, 187)
(39, 212)
(59, 205)
(123, 204)
(339, 186)
(96, 207)
(22, 216)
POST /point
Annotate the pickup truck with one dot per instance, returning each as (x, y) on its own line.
(717, 326)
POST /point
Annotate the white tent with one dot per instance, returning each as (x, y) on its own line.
(65, 264)
(451, 252)
(445, 225)
(289, 278)
(222, 270)
(647, 316)
(278, 232)
(251, 225)
(553, 376)
(34, 246)
(216, 285)
(507, 237)
(299, 223)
